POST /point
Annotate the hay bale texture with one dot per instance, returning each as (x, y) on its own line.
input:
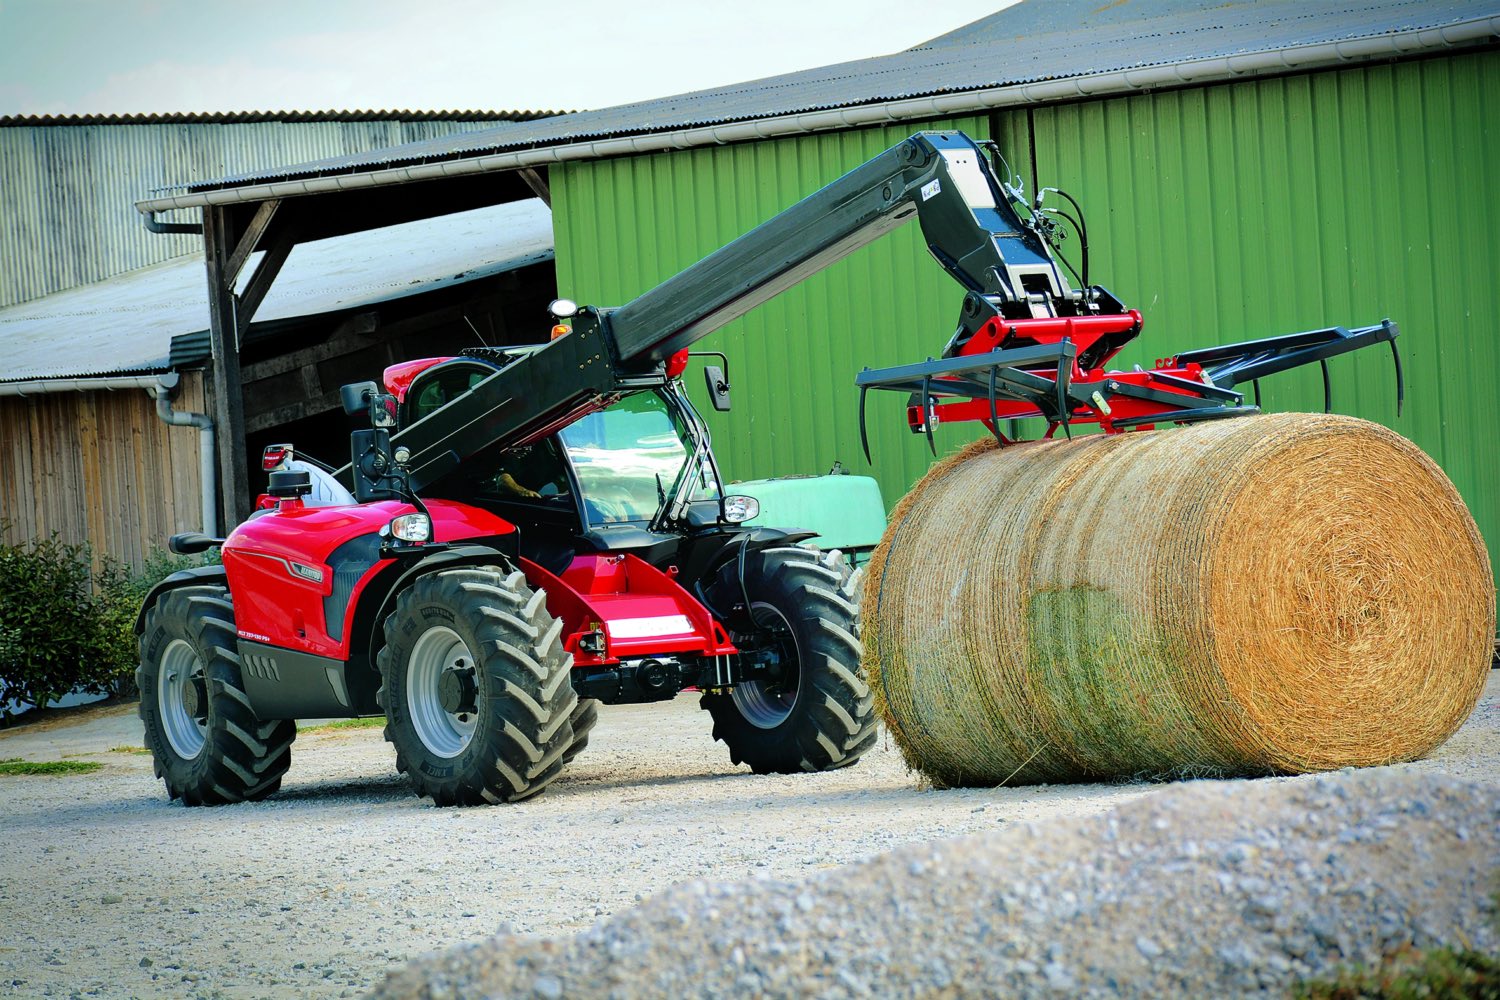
(1280, 593)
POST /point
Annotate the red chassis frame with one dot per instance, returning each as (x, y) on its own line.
(282, 566)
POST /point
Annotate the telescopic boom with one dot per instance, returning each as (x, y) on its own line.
(969, 222)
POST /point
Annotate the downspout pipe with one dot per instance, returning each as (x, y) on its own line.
(208, 468)
(185, 228)
(160, 388)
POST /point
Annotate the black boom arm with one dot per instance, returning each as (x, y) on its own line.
(970, 222)
(967, 219)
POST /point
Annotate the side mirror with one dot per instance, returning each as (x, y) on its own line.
(382, 410)
(718, 389)
(366, 397)
(356, 396)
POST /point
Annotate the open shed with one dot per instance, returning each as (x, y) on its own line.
(106, 427)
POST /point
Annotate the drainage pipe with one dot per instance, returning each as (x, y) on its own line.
(160, 388)
(208, 468)
(185, 228)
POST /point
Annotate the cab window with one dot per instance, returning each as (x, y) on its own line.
(630, 456)
(441, 386)
(534, 473)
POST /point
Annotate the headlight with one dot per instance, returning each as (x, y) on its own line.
(740, 508)
(412, 528)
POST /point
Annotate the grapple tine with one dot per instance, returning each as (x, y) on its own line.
(927, 413)
(1064, 412)
(864, 438)
(1400, 380)
(994, 411)
(1327, 388)
(1060, 383)
(1256, 384)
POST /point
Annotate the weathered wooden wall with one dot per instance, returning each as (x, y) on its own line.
(100, 467)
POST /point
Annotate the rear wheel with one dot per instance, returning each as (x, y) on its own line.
(208, 746)
(476, 688)
(816, 712)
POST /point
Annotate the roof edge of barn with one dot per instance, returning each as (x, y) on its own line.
(1347, 51)
(287, 116)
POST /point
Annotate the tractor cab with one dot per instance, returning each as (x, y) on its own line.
(614, 480)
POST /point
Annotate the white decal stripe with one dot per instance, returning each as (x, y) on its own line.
(639, 628)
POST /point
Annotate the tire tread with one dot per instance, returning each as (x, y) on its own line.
(242, 758)
(832, 722)
(528, 739)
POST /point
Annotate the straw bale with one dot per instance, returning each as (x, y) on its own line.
(1281, 593)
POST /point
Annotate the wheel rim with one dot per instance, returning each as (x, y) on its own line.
(437, 652)
(767, 704)
(181, 672)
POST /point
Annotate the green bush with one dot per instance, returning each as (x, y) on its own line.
(66, 626)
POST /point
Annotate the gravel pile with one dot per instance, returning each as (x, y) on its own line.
(1208, 888)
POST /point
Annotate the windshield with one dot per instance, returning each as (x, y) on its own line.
(630, 455)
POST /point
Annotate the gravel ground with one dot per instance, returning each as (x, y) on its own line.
(1207, 889)
(106, 889)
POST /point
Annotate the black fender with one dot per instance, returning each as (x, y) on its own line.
(753, 540)
(379, 598)
(743, 542)
(182, 578)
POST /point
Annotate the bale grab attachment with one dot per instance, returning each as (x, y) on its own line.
(1059, 375)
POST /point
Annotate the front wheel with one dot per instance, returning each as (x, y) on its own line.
(476, 687)
(816, 712)
(206, 742)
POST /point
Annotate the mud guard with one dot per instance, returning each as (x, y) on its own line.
(182, 578)
(749, 541)
(447, 558)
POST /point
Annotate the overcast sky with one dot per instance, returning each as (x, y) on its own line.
(133, 56)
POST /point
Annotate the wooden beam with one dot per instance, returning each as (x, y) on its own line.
(310, 407)
(260, 281)
(256, 228)
(537, 183)
(229, 414)
(350, 336)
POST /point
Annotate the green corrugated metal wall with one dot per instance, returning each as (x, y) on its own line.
(1223, 213)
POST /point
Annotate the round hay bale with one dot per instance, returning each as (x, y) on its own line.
(1279, 593)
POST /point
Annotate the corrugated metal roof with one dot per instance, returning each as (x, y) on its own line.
(1033, 41)
(69, 217)
(252, 117)
(128, 322)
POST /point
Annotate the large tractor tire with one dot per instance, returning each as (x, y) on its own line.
(476, 688)
(819, 714)
(208, 746)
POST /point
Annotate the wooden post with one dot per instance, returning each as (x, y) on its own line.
(223, 334)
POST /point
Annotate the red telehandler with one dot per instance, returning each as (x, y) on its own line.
(537, 530)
